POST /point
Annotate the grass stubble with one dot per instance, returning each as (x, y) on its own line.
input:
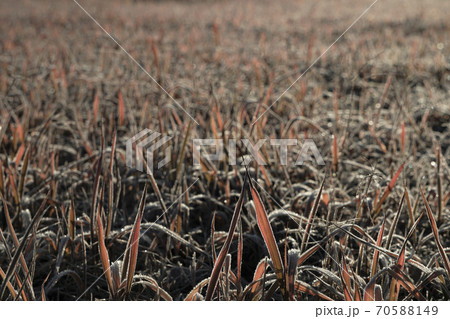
(77, 224)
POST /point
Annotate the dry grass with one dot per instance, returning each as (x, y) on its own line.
(77, 223)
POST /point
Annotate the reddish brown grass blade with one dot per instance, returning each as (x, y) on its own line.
(357, 294)
(436, 234)
(95, 194)
(23, 173)
(10, 287)
(12, 232)
(311, 217)
(18, 254)
(214, 128)
(43, 297)
(388, 190)
(19, 155)
(133, 241)
(197, 289)
(259, 272)
(269, 238)
(369, 292)
(72, 221)
(13, 187)
(304, 288)
(121, 107)
(21, 286)
(406, 283)
(104, 256)
(400, 264)
(95, 108)
(345, 279)
(225, 248)
(307, 254)
(376, 252)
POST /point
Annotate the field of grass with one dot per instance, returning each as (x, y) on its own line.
(77, 223)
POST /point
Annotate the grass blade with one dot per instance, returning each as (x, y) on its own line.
(121, 107)
(311, 217)
(2, 182)
(410, 209)
(406, 283)
(133, 241)
(335, 152)
(291, 272)
(305, 288)
(95, 194)
(400, 264)
(8, 284)
(183, 149)
(259, 273)
(157, 192)
(439, 186)
(213, 229)
(345, 279)
(18, 254)
(23, 173)
(95, 108)
(394, 223)
(376, 252)
(111, 186)
(4, 126)
(388, 190)
(14, 236)
(436, 234)
(435, 273)
(197, 289)
(269, 238)
(239, 254)
(104, 256)
(19, 155)
(72, 221)
(225, 248)
(370, 291)
(357, 294)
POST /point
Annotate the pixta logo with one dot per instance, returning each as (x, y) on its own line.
(308, 148)
(147, 142)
